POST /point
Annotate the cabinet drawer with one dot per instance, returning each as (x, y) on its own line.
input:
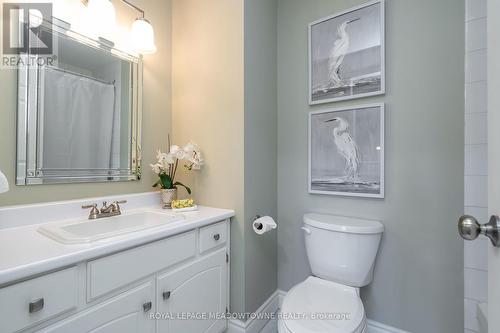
(115, 271)
(30, 302)
(213, 236)
(127, 312)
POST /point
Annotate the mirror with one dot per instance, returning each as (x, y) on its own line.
(79, 117)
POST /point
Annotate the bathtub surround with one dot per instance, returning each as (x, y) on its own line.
(418, 279)
(476, 160)
(156, 116)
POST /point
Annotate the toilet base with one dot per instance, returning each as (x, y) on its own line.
(282, 328)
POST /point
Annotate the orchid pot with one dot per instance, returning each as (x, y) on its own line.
(167, 196)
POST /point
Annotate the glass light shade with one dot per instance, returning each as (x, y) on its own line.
(4, 184)
(143, 36)
(102, 12)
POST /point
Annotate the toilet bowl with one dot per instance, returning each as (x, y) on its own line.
(341, 252)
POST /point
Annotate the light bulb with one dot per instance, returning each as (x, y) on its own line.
(102, 13)
(143, 36)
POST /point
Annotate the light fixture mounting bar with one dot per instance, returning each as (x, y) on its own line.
(131, 5)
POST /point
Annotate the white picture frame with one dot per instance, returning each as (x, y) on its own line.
(346, 65)
(332, 168)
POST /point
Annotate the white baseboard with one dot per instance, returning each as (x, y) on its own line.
(257, 325)
(272, 304)
(376, 327)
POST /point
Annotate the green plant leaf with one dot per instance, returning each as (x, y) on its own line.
(181, 184)
(166, 181)
(157, 183)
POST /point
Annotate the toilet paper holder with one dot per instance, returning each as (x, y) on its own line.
(255, 219)
(265, 224)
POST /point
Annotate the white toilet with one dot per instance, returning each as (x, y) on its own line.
(341, 253)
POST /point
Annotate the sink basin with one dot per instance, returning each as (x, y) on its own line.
(77, 232)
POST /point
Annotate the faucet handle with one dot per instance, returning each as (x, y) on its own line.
(94, 212)
(117, 204)
(90, 206)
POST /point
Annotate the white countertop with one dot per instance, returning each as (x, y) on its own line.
(25, 252)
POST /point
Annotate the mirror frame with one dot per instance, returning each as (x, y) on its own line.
(27, 122)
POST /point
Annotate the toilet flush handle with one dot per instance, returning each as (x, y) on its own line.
(306, 230)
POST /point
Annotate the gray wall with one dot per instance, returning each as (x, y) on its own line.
(260, 148)
(156, 121)
(418, 284)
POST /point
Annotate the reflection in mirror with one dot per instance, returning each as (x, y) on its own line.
(80, 117)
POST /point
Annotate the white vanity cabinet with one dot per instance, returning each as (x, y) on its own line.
(126, 313)
(178, 284)
(198, 290)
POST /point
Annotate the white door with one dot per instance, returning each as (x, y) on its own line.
(127, 313)
(468, 226)
(494, 159)
(198, 289)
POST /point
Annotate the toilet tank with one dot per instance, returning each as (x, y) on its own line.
(342, 249)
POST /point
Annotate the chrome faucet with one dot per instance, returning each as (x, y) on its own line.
(113, 209)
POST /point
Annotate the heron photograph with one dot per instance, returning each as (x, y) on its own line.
(346, 151)
(346, 54)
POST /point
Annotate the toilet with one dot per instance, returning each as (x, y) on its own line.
(341, 252)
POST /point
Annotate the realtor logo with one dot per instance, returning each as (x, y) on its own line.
(23, 29)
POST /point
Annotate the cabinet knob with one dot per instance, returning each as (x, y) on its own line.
(216, 237)
(166, 295)
(36, 305)
(147, 306)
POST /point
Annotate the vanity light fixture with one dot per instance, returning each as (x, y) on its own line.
(142, 32)
(143, 36)
(4, 184)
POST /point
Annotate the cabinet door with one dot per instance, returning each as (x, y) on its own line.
(127, 313)
(193, 299)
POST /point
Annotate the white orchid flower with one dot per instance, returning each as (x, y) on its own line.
(177, 152)
(169, 158)
(157, 168)
(190, 148)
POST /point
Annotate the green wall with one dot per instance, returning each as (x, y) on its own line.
(156, 122)
(418, 283)
(260, 149)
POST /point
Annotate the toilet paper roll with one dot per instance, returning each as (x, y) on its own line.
(263, 225)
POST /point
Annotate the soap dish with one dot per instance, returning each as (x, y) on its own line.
(186, 209)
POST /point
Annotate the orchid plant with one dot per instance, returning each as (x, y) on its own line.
(166, 167)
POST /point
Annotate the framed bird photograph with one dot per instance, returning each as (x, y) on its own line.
(346, 151)
(347, 54)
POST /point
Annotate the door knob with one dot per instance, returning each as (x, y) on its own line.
(469, 229)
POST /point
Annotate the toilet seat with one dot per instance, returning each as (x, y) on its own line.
(321, 306)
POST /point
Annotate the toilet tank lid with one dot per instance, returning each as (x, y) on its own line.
(343, 224)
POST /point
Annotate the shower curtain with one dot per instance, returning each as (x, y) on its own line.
(79, 124)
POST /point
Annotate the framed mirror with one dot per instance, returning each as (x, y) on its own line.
(79, 117)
